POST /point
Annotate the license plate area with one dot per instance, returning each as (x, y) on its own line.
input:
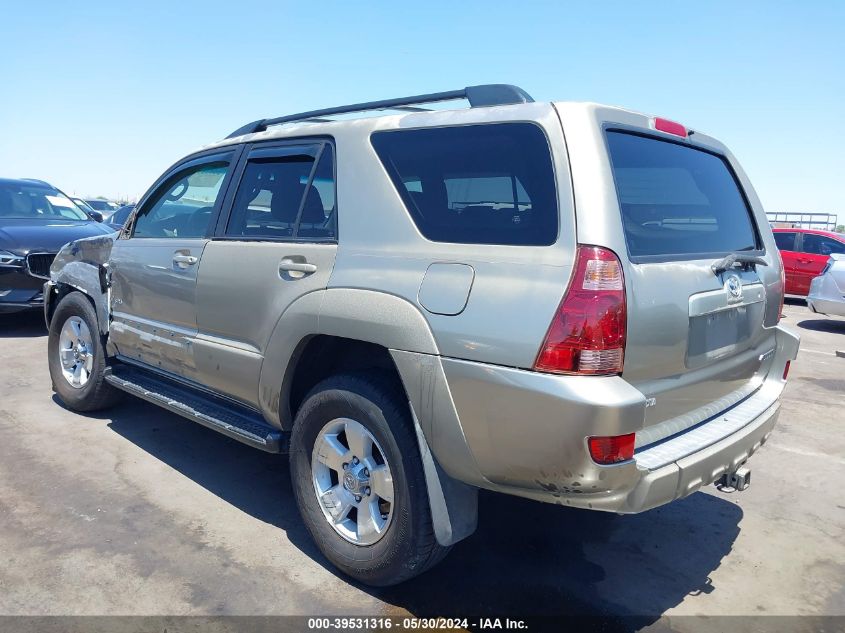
(714, 335)
(718, 329)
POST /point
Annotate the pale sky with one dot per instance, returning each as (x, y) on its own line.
(99, 98)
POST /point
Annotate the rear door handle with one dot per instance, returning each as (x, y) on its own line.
(185, 260)
(290, 265)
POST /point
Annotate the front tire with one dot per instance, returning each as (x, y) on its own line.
(77, 358)
(358, 480)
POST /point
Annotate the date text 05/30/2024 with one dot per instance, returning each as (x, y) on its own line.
(410, 623)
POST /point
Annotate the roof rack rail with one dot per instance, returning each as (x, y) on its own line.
(478, 96)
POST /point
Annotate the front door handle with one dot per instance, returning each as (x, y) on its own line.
(290, 265)
(184, 260)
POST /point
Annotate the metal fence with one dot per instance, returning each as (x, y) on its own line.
(823, 221)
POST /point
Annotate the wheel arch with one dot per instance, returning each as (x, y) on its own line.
(344, 329)
(57, 290)
(82, 265)
(355, 315)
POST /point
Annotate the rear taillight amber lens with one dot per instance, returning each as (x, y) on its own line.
(613, 449)
(587, 334)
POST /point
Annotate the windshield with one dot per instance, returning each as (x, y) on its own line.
(677, 201)
(82, 204)
(31, 201)
(102, 205)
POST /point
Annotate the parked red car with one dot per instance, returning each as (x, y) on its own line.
(805, 253)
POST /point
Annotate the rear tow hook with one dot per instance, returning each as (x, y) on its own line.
(738, 480)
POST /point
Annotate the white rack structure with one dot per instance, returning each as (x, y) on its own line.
(823, 221)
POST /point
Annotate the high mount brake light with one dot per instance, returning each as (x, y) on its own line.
(587, 334)
(670, 127)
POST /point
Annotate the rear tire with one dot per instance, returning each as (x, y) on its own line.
(374, 540)
(76, 356)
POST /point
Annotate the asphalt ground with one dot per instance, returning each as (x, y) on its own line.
(136, 511)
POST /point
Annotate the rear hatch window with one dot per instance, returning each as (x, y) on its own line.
(475, 184)
(694, 346)
(677, 202)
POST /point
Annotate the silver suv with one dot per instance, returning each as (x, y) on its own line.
(568, 302)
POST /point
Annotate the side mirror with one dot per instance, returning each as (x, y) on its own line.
(96, 215)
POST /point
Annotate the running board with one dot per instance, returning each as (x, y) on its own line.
(232, 420)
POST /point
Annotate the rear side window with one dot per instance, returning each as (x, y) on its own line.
(286, 197)
(677, 201)
(269, 196)
(476, 184)
(785, 241)
(318, 219)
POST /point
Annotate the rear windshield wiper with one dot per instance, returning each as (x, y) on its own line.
(728, 262)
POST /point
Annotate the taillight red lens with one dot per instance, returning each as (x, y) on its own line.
(786, 369)
(611, 450)
(587, 335)
(670, 127)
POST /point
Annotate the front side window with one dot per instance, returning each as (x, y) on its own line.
(285, 197)
(184, 205)
(475, 184)
(677, 201)
(821, 245)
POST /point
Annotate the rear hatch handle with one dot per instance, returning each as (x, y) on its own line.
(728, 262)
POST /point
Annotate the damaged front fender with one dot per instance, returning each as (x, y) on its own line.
(82, 265)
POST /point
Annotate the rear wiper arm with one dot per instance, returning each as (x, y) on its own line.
(728, 262)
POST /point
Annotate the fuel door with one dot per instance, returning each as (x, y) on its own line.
(445, 288)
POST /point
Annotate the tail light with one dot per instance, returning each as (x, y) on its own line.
(611, 450)
(786, 369)
(827, 266)
(587, 334)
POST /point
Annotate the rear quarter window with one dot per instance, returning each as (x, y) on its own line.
(677, 201)
(476, 184)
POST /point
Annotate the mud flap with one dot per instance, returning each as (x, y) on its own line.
(454, 505)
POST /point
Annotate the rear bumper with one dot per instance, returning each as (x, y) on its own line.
(825, 296)
(525, 433)
(685, 475)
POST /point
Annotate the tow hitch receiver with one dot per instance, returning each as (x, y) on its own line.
(739, 480)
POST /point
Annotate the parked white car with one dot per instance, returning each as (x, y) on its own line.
(827, 291)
